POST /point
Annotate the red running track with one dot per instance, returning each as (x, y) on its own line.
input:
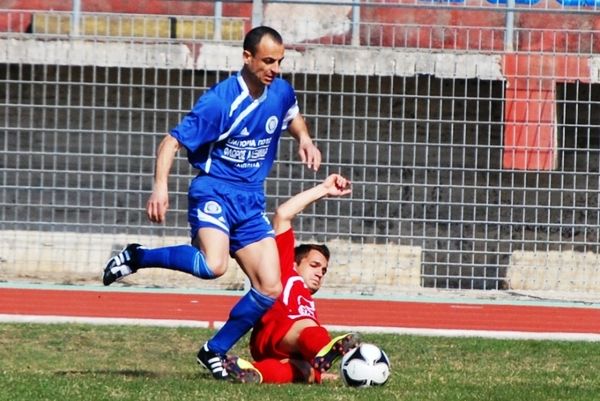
(335, 312)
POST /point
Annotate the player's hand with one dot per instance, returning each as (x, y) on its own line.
(304, 368)
(310, 154)
(157, 205)
(337, 185)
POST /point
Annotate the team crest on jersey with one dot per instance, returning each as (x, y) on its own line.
(271, 124)
(212, 207)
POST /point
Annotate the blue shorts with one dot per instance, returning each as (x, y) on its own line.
(236, 209)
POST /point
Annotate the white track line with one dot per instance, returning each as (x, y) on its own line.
(495, 334)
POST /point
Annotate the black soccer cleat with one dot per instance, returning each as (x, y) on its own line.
(212, 361)
(335, 349)
(122, 264)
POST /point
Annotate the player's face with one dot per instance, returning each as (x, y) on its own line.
(264, 66)
(313, 268)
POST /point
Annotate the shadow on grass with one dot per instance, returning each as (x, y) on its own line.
(109, 372)
(134, 373)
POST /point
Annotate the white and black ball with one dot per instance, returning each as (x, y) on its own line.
(364, 366)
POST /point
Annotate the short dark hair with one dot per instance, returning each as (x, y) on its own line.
(254, 36)
(302, 250)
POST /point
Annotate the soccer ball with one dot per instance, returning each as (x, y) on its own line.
(364, 366)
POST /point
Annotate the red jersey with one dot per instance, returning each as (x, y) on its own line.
(294, 303)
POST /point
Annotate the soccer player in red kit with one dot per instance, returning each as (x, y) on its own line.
(288, 343)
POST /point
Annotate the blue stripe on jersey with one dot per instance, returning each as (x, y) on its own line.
(232, 136)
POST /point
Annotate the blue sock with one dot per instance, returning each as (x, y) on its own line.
(242, 317)
(183, 258)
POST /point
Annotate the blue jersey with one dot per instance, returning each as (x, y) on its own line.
(232, 136)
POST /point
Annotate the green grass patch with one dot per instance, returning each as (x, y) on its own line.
(85, 362)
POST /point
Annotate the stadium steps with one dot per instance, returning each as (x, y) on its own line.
(137, 26)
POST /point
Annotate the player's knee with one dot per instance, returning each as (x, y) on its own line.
(217, 265)
(276, 290)
(271, 290)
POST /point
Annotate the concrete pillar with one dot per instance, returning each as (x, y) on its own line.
(530, 126)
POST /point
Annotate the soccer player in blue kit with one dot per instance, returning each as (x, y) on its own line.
(231, 136)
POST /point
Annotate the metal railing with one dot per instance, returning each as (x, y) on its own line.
(440, 128)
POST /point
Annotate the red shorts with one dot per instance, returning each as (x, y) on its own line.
(265, 339)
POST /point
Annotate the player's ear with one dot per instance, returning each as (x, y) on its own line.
(246, 56)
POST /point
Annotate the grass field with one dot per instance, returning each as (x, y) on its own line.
(85, 362)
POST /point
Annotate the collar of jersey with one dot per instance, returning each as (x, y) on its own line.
(246, 91)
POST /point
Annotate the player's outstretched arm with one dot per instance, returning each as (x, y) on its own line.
(158, 203)
(334, 185)
(307, 150)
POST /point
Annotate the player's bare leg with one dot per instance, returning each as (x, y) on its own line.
(260, 262)
(214, 245)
